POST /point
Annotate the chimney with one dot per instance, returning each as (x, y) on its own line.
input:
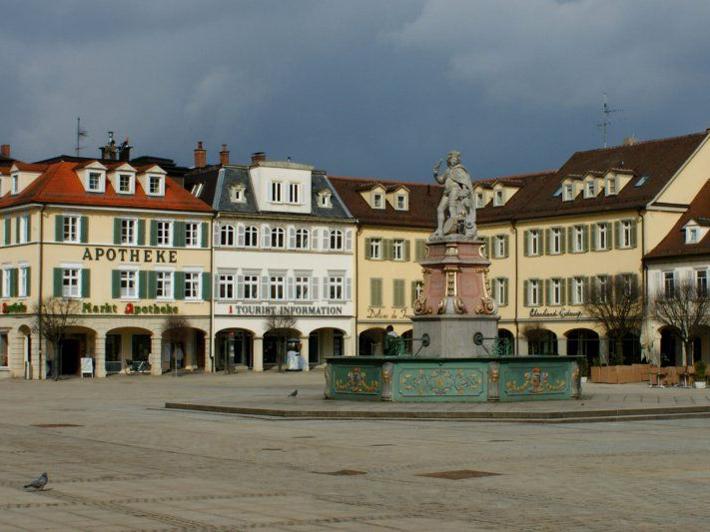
(124, 151)
(224, 155)
(5, 150)
(257, 157)
(200, 156)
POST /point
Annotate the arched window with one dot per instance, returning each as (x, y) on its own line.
(226, 235)
(302, 238)
(251, 236)
(278, 237)
(336, 239)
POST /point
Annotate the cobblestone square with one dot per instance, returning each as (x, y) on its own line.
(123, 462)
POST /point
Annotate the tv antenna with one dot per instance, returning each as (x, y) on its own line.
(80, 133)
(606, 122)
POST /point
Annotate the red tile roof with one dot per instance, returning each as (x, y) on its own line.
(673, 245)
(60, 184)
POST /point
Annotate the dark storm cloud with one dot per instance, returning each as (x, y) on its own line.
(358, 88)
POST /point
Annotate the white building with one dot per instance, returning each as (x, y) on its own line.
(283, 262)
(682, 256)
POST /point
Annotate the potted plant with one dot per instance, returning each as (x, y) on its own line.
(700, 374)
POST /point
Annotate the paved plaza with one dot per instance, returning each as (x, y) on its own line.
(118, 460)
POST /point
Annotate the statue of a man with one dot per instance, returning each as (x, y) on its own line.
(458, 198)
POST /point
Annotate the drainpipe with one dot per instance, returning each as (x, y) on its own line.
(515, 315)
(39, 307)
(213, 340)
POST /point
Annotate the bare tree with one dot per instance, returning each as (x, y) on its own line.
(617, 304)
(684, 308)
(176, 331)
(280, 324)
(54, 316)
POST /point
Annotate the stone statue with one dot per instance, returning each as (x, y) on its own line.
(458, 199)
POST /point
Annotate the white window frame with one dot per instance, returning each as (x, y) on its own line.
(168, 277)
(398, 249)
(602, 234)
(534, 292)
(499, 246)
(578, 240)
(126, 274)
(302, 287)
(499, 197)
(577, 291)
(294, 193)
(701, 281)
(337, 240)
(170, 236)
(556, 292)
(196, 282)
(480, 200)
(303, 238)
(590, 189)
(278, 235)
(226, 283)
(238, 194)
(611, 186)
(197, 241)
(15, 184)
(669, 288)
(251, 231)
(24, 233)
(100, 181)
(568, 192)
(692, 235)
(71, 222)
(23, 273)
(276, 191)
(625, 230)
(378, 200)
(324, 200)
(161, 185)
(556, 237)
(131, 184)
(400, 202)
(336, 287)
(602, 288)
(500, 291)
(6, 282)
(534, 242)
(376, 248)
(227, 235)
(251, 286)
(277, 287)
(130, 229)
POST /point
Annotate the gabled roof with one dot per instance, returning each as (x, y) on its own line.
(60, 184)
(673, 245)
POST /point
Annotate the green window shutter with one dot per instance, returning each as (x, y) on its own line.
(568, 282)
(505, 246)
(117, 230)
(28, 232)
(407, 246)
(633, 233)
(617, 234)
(17, 230)
(413, 292)
(593, 236)
(563, 291)
(548, 241)
(563, 240)
(179, 234)
(153, 233)
(542, 242)
(152, 285)
(505, 291)
(179, 288)
(141, 232)
(58, 228)
(28, 290)
(388, 248)
(85, 282)
(609, 236)
(526, 243)
(58, 272)
(13, 281)
(398, 288)
(205, 234)
(367, 248)
(84, 234)
(526, 302)
(376, 292)
(206, 286)
(547, 299)
(142, 284)
(116, 284)
(634, 284)
(420, 250)
(487, 247)
(585, 238)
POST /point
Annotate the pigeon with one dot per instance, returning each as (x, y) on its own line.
(39, 483)
(293, 393)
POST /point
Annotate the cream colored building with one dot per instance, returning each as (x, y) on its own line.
(128, 245)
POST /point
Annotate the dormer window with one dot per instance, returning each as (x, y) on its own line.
(480, 200)
(568, 192)
(498, 198)
(590, 189)
(196, 189)
(125, 183)
(378, 201)
(692, 235)
(276, 192)
(325, 199)
(611, 188)
(95, 182)
(401, 202)
(237, 194)
(15, 184)
(294, 193)
(156, 185)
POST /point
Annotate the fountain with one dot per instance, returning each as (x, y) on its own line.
(455, 326)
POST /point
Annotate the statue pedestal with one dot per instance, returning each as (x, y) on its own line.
(456, 302)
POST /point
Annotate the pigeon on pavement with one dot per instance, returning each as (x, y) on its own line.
(293, 393)
(39, 483)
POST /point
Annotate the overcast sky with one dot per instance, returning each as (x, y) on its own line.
(363, 88)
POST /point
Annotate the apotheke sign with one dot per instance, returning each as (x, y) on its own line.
(157, 256)
(131, 309)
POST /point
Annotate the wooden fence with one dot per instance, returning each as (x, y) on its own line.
(638, 373)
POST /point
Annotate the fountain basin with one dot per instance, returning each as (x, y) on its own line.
(432, 379)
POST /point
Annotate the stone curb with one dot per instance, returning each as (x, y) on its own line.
(581, 416)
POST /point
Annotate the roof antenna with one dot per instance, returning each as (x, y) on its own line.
(605, 123)
(80, 133)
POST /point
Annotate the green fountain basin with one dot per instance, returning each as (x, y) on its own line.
(480, 379)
